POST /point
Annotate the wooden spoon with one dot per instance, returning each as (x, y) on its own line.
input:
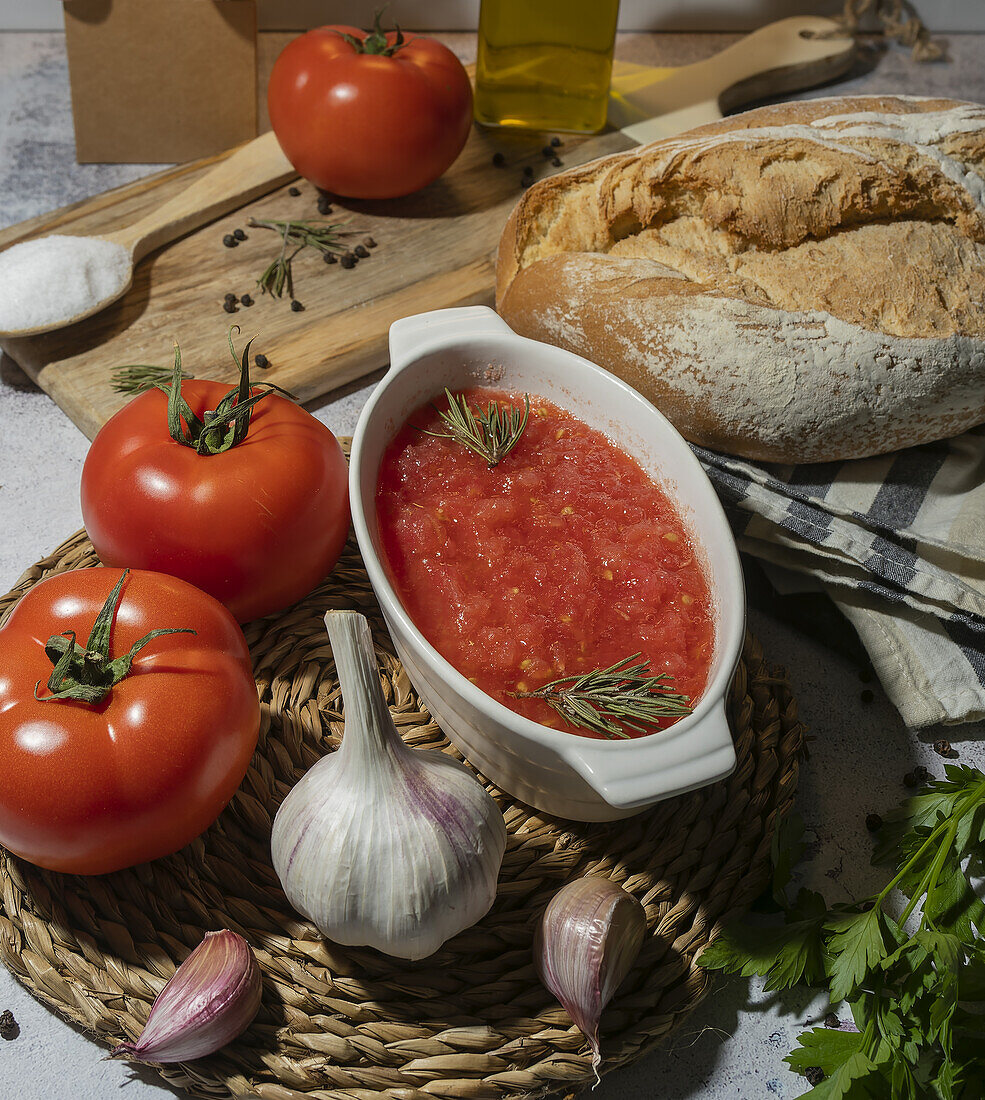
(255, 169)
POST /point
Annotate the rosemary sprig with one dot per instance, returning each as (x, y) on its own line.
(491, 433)
(138, 377)
(611, 700)
(296, 235)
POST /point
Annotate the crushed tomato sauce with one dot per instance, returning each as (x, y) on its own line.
(563, 558)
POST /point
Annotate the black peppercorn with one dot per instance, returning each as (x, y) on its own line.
(920, 773)
(943, 747)
(866, 696)
(909, 780)
(239, 234)
(330, 258)
(814, 1075)
(295, 191)
(361, 251)
(8, 1025)
(369, 242)
(556, 162)
(555, 141)
(499, 160)
(873, 822)
(348, 260)
(296, 305)
(229, 307)
(230, 297)
(261, 361)
(229, 241)
(324, 206)
(528, 171)
(547, 151)
(831, 1020)
(246, 300)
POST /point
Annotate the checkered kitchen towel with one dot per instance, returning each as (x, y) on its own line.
(898, 542)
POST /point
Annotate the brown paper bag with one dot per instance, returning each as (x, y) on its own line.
(158, 81)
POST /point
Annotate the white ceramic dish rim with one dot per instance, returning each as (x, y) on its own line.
(731, 587)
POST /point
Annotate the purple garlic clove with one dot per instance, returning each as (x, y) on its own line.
(211, 999)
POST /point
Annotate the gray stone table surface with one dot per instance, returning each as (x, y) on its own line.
(733, 1044)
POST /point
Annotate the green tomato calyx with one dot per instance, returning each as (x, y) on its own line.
(87, 674)
(228, 424)
(374, 42)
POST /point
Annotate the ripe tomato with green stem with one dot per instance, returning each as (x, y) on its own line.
(128, 718)
(240, 492)
(369, 114)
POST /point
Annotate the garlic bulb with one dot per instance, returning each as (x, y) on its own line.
(211, 998)
(380, 844)
(587, 941)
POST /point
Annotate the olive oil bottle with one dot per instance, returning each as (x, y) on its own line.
(545, 64)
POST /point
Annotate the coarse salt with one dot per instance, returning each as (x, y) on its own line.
(48, 281)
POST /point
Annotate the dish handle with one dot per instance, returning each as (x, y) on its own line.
(411, 335)
(658, 766)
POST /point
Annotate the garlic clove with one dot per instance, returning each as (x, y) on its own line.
(210, 999)
(586, 943)
(379, 844)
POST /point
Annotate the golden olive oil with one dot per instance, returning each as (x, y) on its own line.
(545, 64)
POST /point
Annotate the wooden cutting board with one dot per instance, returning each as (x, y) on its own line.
(435, 248)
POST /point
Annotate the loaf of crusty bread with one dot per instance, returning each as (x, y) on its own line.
(799, 283)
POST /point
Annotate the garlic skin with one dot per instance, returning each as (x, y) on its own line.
(382, 845)
(587, 941)
(210, 999)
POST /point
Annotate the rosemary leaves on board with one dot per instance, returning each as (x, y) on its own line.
(137, 377)
(323, 236)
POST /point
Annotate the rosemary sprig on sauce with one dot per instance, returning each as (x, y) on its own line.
(491, 433)
(611, 700)
(138, 377)
(322, 236)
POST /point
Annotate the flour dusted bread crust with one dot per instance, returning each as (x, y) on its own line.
(800, 283)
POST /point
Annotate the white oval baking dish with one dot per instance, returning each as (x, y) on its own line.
(557, 772)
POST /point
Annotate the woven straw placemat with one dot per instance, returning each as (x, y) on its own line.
(336, 1023)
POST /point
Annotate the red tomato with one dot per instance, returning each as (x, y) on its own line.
(90, 788)
(367, 124)
(257, 526)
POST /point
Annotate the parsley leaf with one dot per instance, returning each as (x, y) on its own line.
(826, 1047)
(784, 954)
(847, 1082)
(855, 947)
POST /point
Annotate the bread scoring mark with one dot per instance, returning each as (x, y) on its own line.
(924, 131)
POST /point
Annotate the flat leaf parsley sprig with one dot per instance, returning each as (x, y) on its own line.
(918, 1000)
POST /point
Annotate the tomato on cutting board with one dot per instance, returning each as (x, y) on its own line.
(368, 114)
(253, 510)
(128, 718)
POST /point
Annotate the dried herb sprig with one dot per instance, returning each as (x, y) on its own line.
(322, 236)
(138, 377)
(491, 433)
(611, 700)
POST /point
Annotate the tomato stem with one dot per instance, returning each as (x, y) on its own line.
(219, 430)
(87, 674)
(374, 41)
